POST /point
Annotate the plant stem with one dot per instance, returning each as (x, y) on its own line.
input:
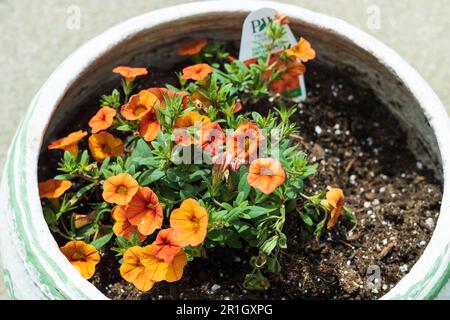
(87, 178)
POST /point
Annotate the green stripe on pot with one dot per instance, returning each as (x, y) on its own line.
(16, 161)
(8, 283)
(415, 291)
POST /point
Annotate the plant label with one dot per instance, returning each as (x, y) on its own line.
(254, 37)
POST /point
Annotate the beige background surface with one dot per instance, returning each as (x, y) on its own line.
(35, 38)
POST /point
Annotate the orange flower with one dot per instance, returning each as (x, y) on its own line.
(141, 268)
(176, 267)
(302, 50)
(145, 211)
(123, 227)
(84, 257)
(103, 119)
(120, 189)
(160, 92)
(281, 18)
(245, 141)
(182, 137)
(289, 79)
(192, 48)
(190, 223)
(149, 126)
(212, 137)
(166, 245)
(130, 73)
(53, 189)
(191, 119)
(335, 198)
(139, 105)
(104, 145)
(237, 107)
(200, 100)
(69, 143)
(197, 72)
(266, 174)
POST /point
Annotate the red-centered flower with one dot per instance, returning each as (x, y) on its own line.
(166, 245)
(145, 211)
(212, 137)
(245, 141)
(149, 126)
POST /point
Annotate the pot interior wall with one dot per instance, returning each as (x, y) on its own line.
(157, 47)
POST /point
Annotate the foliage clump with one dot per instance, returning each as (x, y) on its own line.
(171, 173)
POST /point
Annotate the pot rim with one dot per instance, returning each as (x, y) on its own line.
(52, 272)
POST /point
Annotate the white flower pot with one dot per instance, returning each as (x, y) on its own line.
(31, 261)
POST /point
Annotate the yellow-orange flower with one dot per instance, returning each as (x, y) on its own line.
(289, 79)
(176, 267)
(84, 257)
(197, 72)
(182, 137)
(281, 18)
(82, 220)
(139, 105)
(212, 137)
(191, 119)
(141, 268)
(120, 189)
(266, 174)
(103, 119)
(145, 211)
(130, 73)
(122, 227)
(302, 50)
(200, 100)
(69, 143)
(104, 145)
(149, 126)
(245, 141)
(335, 198)
(190, 223)
(166, 245)
(192, 48)
(53, 189)
(160, 92)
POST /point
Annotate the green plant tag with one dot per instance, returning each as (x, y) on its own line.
(254, 37)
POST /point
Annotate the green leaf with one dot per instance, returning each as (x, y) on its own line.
(122, 242)
(101, 242)
(151, 176)
(142, 149)
(307, 220)
(84, 161)
(256, 281)
(49, 215)
(64, 177)
(135, 241)
(85, 189)
(273, 265)
(253, 212)
(270, 244)
(124, 128)
(243, 186)
(282, 241)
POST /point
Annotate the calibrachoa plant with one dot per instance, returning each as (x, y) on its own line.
(173, 172)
